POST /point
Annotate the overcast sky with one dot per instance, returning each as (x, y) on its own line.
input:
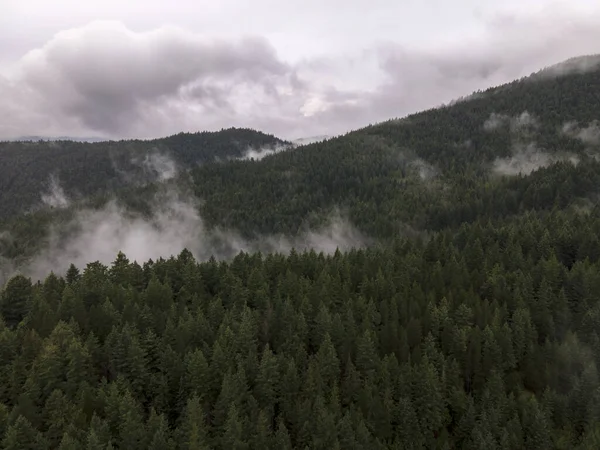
(294, 68)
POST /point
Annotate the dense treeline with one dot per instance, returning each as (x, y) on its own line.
(487, 338)
(86, 169)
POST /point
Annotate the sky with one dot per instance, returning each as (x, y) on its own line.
(294, 68)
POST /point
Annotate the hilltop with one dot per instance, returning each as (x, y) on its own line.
(32, 170)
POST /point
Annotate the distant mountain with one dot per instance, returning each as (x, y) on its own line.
(28, 169)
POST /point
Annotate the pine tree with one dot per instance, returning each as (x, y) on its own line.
(282, 439)
(157, 432)
(192, 432)
(267, 382)
(15, 300)
(22, 436)
(232, 437)
(72, 275)
(197, 374)
(69, 443)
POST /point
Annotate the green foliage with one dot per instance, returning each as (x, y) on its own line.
(465, 367)
(27, 166)
(479, 330)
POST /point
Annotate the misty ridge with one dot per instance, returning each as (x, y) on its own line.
(152, 167)
(263, 152)
(173, 224)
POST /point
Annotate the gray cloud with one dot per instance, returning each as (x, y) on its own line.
(106, 79)
(109, 78)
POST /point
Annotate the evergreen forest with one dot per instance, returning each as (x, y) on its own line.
(471, 320)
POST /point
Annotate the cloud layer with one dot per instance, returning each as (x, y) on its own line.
(106, 79)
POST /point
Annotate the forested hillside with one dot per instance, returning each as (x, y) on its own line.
(487, 338)
(86, 169)
(428, 171)
(472, 322)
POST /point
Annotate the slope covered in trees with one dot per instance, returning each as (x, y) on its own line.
(87, 169)
(473, 324)
(428, 171)
(487, 338)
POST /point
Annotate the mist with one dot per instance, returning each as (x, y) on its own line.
(425, 170)
(523, 122)
(527, 158)
(55, 197)
(174, 224)
(263, 152)
(160, 165)
(589, 135)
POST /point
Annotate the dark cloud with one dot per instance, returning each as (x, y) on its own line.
(105, 79)
(104, 74)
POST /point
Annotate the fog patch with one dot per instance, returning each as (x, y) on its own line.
(157, 166)
(589, 135)
(425, 170)
(495, 121)
(55, 197)
(160, 165)
(578, 64)
(174, 224)
(528, 158)
(522, 122)
(263, 152)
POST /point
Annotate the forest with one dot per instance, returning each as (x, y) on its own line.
(27, 167)
(471, 322)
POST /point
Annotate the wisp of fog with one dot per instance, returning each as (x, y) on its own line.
(527, 158)
(175, 224)
(521, 122)
(257, 155)
(589, 135)
(55, 197)
(160, 165)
